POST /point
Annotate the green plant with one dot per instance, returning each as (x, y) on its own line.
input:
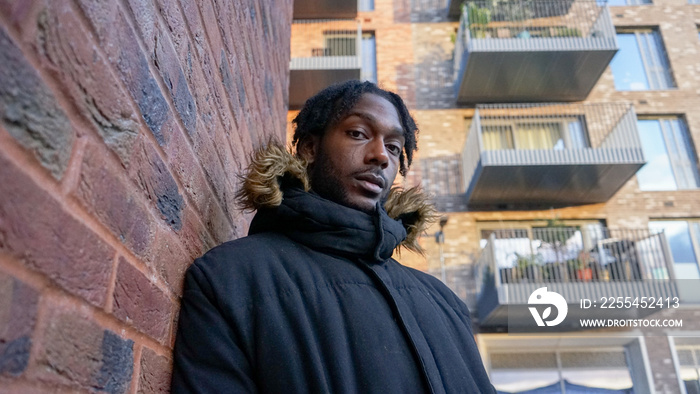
(476, 15)
(566, 32)
(478, 19)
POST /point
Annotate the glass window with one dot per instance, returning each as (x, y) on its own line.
(670, 155)
(682, 237)
(641, 63)
(365, 5)
(527, 134)
(369, 58)
(561, 371)
(689, 360)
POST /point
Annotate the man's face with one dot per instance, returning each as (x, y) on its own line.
(356, 161)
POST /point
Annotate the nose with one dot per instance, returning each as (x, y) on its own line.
(377, 153)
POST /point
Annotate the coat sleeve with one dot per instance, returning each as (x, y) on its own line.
(207, 356)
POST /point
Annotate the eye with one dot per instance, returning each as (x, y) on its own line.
(357, 134)
(394, 149)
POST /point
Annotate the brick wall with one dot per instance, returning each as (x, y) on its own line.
(123, 125)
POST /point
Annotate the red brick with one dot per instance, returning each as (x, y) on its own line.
(220, 179)
(79, 353)
(85, 76)
(170, 260)
(184, 164)
(167, 64)
(161, 52)
(154, 178)
(16, 11)
(18, 307)
(139, 302)
(209, 115)
(35, 229)
(225, 65)
(147, 24)
(30, 112)
(114, 201)
(194, 236)
(120, 43)
(155, 373)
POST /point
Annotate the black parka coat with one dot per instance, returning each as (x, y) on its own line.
(312, 302)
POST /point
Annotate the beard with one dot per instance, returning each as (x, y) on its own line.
(326, 182)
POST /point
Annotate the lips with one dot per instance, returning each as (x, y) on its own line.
(371, 182)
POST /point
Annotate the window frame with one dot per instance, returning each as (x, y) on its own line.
(663, 56)
(559, 369)
(563, 122)
(694, 162)
(694, 238)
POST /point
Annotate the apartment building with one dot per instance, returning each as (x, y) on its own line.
(560, 141)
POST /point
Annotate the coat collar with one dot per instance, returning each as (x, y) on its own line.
(277, 186)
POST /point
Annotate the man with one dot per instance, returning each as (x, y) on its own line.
(311, 300)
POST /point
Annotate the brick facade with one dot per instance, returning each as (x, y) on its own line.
(123, 126)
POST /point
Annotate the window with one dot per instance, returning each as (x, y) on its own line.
(522, 133)
(688, 367)
(671, 162)
(369, 58)
(683, 237)
(641, 63)
(365, 5)
(571, 371)
(628, 2)
(693, 1)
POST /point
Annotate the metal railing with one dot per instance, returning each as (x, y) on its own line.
(326, 44)
(572, 254)
(533, 25)
(549, 133)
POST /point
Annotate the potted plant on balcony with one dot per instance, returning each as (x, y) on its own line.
(554, 236)
(478, 19)
(579, 269)
(528, 267)
(565, 31)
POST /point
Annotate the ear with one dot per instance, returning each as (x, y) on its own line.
(307, 148)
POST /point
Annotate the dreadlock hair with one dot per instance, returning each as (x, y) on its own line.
(331, 104)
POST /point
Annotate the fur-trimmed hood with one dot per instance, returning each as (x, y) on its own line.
(262, 188)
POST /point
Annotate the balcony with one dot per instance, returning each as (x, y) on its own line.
(323, 52)
(319, 9)
(578, 262)
(531, 50)
(549, 154)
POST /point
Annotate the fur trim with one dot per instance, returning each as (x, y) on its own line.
(415, 211)
(261, 183)
(261, 188)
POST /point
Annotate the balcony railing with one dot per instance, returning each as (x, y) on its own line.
(592, 150)
(326, 44)
(323, 52)
(549, 49)
(578, 262)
